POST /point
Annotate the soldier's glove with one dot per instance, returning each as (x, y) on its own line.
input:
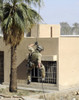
(36, 43)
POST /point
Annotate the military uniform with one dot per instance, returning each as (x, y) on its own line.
(36, 59)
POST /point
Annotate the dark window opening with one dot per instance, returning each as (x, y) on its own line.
(29, 34)
(1, 66)
(51, 73)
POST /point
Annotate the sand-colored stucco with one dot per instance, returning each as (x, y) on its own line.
(65, 48)
(45, 31)
(68, 62)
(7, 60)
(22, 52)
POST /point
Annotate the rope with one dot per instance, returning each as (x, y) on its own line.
(37, 40)
(43, 91)
(37, 25)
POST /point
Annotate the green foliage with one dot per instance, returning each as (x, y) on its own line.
(18, 17)
(34, 2)
(1, 6)
(66, 29)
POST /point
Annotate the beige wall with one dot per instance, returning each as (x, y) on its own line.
(66, 48)
(45, 31)
(68, 62)
(50, 48)
(7, 59)
(34, 31)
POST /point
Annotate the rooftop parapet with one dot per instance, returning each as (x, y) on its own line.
(45, 31)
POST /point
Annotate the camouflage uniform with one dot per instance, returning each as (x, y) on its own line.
(36, 59)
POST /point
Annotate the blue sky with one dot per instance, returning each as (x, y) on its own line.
(56, 11)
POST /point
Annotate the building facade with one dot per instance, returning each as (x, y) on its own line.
(60, 57)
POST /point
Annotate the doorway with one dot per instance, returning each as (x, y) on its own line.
(1, 66)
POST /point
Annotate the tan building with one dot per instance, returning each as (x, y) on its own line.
(60, 57)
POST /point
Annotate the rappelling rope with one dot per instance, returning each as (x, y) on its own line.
(37, 25)
(37, 35)
(43, 91)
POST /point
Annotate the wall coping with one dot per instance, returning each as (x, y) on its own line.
(49, 58)
(69, 35)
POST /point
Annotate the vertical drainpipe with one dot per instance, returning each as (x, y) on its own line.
(51, 32)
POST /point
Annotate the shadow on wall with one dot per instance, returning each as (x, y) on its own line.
(22, 70)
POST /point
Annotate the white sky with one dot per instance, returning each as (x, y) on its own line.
(56, 11)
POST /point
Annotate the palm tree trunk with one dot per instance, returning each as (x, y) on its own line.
(13, 71)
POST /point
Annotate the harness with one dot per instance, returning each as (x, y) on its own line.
(30, 61)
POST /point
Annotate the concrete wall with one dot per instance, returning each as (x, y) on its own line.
(66, 48)
(7, 60)
(50, 48)
(68, 62)
(46, 31)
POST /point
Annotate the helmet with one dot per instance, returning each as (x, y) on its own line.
(39, 48)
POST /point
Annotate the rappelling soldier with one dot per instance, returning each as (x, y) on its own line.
(34, 60)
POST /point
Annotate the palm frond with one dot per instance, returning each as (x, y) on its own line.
(1, 15)
(24, 7)
(7, 23)
(7, 10)
(14, 1)
(32, 17)
(35, 2)
(20, 13)
(19, 21)
(1, 10)
(16, 18)
(6, 28)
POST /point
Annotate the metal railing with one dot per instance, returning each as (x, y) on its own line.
(51, 73)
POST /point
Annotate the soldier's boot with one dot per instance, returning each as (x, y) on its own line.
(43, 79)
(28, 82)
(43, 73)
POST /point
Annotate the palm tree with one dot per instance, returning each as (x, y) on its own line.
(17, 16)
(1, 3)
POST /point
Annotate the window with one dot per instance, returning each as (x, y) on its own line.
(51, 73)
(27, 34)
